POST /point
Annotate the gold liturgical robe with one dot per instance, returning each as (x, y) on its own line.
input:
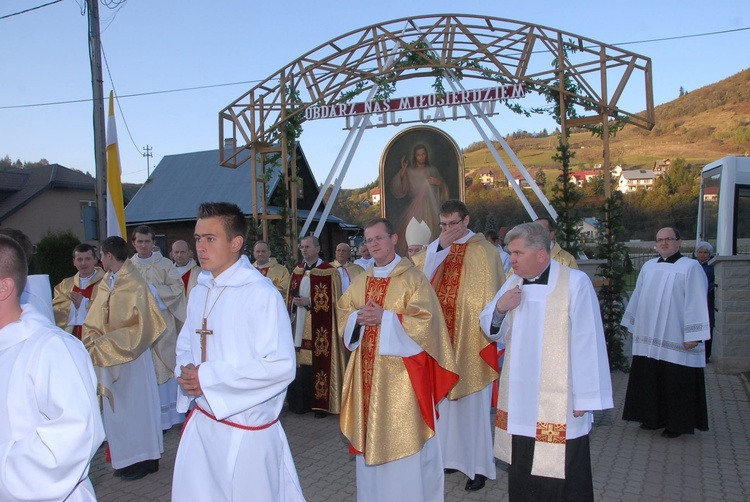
(471, 275)
(163, 275)
(123, 323)
(278, 274)
(402, 391)
(61, 296)
(561, 256)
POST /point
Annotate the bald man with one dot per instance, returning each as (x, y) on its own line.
(269, 267)
(347, 269)
(186, 266)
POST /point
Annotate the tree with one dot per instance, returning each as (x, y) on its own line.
(54, 256)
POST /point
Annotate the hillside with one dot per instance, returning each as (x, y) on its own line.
(700, 126)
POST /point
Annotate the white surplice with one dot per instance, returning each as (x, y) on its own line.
(50, 427)
(589, 383)
(667, 308)
(416, 477)
(250, 362)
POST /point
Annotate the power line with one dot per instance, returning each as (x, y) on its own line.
(111, 81)
(29, 10)
(245, 82)
(134, 95)
(678, 37)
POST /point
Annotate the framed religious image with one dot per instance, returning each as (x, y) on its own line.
(421, 167)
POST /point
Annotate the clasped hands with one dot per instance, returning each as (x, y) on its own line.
(189, 380)
(301, 301)
(371, 314)
(76, 297)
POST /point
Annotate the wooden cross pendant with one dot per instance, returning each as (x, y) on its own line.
(203, 332)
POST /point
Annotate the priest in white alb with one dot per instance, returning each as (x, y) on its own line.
(235, 359)
(50, 427)
(668, 317)
(121, 327)
(555, 374)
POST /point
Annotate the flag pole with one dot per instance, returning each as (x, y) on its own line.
(115, 203)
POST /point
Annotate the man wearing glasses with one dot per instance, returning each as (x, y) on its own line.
(314, 288)
(668, 318)
(400, 367)
(466, 271)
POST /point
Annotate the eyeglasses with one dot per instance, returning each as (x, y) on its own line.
(377, 238)
(666, 239)
(450, 224)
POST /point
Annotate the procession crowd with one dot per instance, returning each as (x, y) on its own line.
(421, 358)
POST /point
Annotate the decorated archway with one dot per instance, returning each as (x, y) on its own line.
(588, 81)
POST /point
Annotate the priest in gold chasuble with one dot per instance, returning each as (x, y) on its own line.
(122, 324)
(314, 288)
(72, 297)
(466, 271)
(269, 267)
(400, 367)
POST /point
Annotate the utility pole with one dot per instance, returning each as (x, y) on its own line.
(148, 156)
(100, 139)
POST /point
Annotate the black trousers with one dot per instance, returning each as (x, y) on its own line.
(299, 393)
(576, 487)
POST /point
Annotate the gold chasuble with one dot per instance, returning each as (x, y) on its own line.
(123, 323)
(278, 274)
(321, 348)
(464, 283)
(388, 402)
(563, 257)
(61, 297)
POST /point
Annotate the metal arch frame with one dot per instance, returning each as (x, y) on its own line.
(507, 51)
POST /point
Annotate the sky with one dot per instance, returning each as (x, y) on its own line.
(154, 47)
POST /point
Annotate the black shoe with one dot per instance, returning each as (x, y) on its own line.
(118, 473)
(649, 428)
(320, 414)
(670, 435)
(141, 470)
(450, 471)
(475, 484)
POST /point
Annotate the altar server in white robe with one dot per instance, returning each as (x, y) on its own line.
(235, 359)
(668, 317)
(556, 371)
(50, 427)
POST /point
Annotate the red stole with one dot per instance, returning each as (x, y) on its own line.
(186, 278)
(78, 329)
(430, 381)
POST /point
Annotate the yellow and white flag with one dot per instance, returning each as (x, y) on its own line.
(115, 205)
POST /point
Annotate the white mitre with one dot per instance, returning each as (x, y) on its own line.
(417, 233)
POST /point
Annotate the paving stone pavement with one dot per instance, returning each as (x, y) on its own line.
(629, 464)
